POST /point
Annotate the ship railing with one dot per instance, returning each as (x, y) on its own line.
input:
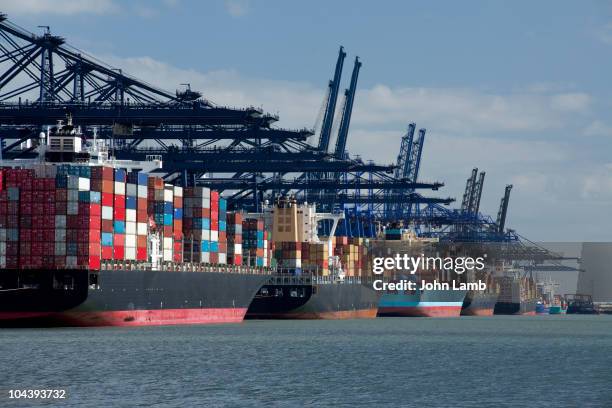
(185, 267)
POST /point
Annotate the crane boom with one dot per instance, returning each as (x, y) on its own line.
(347, 112)
(328, 118)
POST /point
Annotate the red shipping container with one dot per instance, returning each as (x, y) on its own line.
(94, 263)
(119, 240)
(119, 213)
(142, 216)
(141, 241)
(107, 252)
(236, 260)
(141, 254)
(168, 231)
(107, 199)
(108, 186)
(107, 226)
(214, 257)
(119, 252)
(119, 201)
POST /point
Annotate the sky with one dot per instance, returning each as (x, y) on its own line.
(518, 89)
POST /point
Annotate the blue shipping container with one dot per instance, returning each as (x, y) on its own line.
(119, 227)
(107, 239)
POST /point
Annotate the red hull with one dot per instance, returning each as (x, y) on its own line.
(422, 311)
(134, 317)
(478, 312)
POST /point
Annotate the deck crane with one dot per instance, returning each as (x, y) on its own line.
(503, 210)
(345, 122)
(330, 109)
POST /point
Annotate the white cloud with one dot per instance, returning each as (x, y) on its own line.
(237, 8)
(63, 7)
(598, 128)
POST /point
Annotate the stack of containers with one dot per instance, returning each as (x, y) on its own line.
(289, 254)
(253, 242)
(315, 258)
(142, 218)
(9, 228)
(88, 221)
(105, 177)
(155, 202)
(43, 219)
(119, 214)
(131, 210)
(3, 219)
(214, 227)
(222, 218)
(234, 238)
(177, 224)
(168, 229)
(196, 224)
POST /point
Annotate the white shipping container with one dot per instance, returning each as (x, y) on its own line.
(3, 234)
(168, 196)
(130, 240)
(203, 235)
(167, 255)
(214, 236)
(178, 191)
(60, 221)
(237, 249)
(141, 228)
(130, 215)
(107, 212)
(222, 258)
(2, 247)
(203, 202)
(72, 208)
(142, 191)
(205, 257)
(119, 188)
(60, 248)
(84, 184)
(168, 243)
(130, 228)
(60, 235)
(131, 190)
(71, 261)
(130, 253)
(201, 192)
(2, 261)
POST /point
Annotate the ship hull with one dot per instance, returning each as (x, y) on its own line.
(526, 307)
(125, 297)
(478, 303)
(318, 301)
(428, 303)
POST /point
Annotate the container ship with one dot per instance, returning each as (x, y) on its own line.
(517, 295)
(316, 277)
(86, 240)
(417, 303)
(481, 303)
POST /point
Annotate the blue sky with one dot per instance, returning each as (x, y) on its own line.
(519, 89)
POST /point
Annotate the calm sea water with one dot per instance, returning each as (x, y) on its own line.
(469, 362)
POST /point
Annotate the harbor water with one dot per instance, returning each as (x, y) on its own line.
(501, 361)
